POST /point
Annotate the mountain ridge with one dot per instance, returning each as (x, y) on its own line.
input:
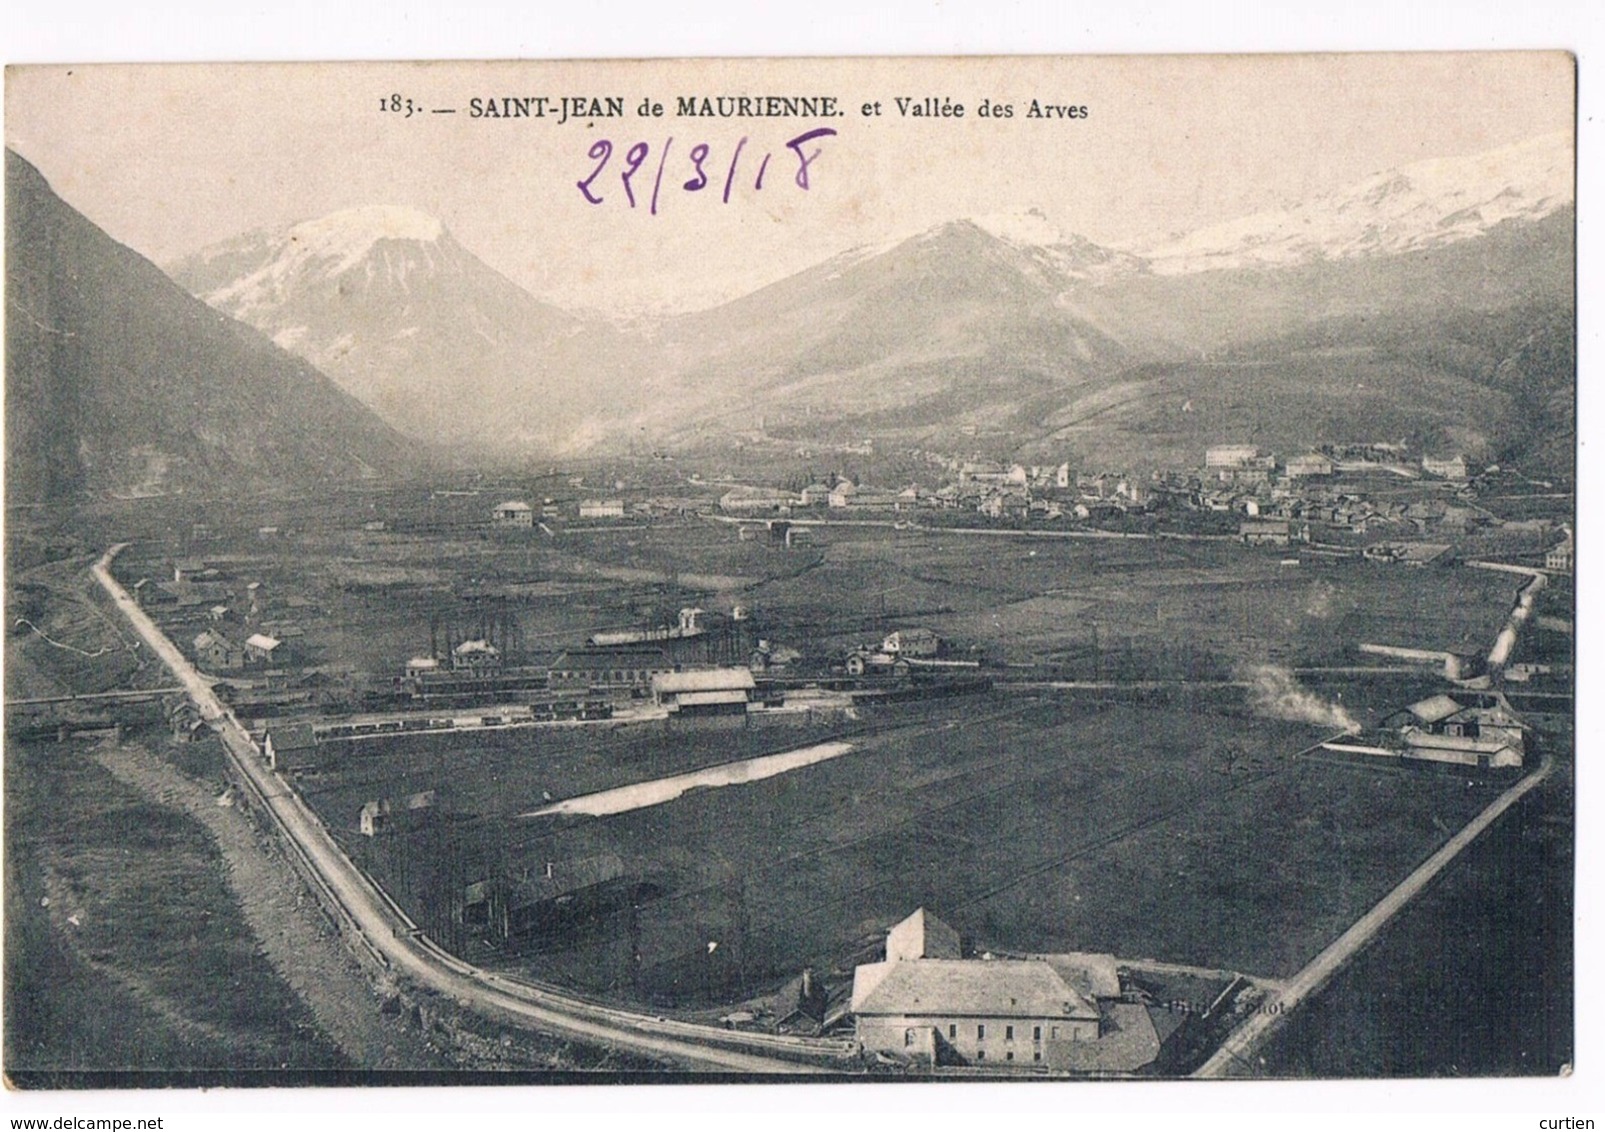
(119, 382)
(386, 302)
(1424, 204)
(981, 323)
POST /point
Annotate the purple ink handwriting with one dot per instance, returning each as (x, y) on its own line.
(694, 169)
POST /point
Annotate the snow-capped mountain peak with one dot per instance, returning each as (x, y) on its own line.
(1421, 205)
(1031, 227)
(384, 242)
(1049, 247)
(385, 301)
(349, 235)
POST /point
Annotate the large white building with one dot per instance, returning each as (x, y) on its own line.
(926, 1003)
(1449, 467)
(1309, 464)
(1230, 455)
(602, 509)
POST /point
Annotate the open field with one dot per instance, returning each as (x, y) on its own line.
(497, 773)
(1028, 824)
(365, 599)
(1025, 600)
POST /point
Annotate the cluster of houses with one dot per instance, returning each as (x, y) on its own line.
(997, 491)
(518, 513)
(1279, 517)
(240, 632)
(1283, 500)
(218, 651)
(1247, 463)
(1469, 729)
(1235, 477)
(1276, 500)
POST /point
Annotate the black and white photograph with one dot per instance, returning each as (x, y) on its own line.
(922, 570)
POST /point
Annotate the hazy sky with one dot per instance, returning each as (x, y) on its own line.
(170, 159)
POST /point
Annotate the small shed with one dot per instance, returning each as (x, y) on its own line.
(374, 817)
(261, 648)
(291, 746)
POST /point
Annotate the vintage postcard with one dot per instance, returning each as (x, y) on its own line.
(983, 568)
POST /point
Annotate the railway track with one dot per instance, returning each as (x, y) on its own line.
(379, 927)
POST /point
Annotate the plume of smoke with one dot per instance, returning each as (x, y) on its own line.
(1275, 693)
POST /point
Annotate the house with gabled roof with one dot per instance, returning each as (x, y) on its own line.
(214, 651)
(290, 746)
(262, 649)
(513, 513)
(972, 1011)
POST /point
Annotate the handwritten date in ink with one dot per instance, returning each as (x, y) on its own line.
(696, 170)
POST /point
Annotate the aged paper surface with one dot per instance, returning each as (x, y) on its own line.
(944, 568)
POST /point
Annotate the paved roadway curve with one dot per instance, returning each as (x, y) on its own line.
(1244, 1040)
(407, 951)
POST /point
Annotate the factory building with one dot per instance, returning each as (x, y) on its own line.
(1309, 464)
(1230, 455)
(1469, 729)
(1477, 729)
(607, 669)
(757, 500)
(1265, 532)
(602, 509)
(476, 656)
(537, 900)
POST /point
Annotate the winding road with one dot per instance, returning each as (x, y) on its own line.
(397, 943)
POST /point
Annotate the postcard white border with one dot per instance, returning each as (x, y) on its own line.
(193, 30)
